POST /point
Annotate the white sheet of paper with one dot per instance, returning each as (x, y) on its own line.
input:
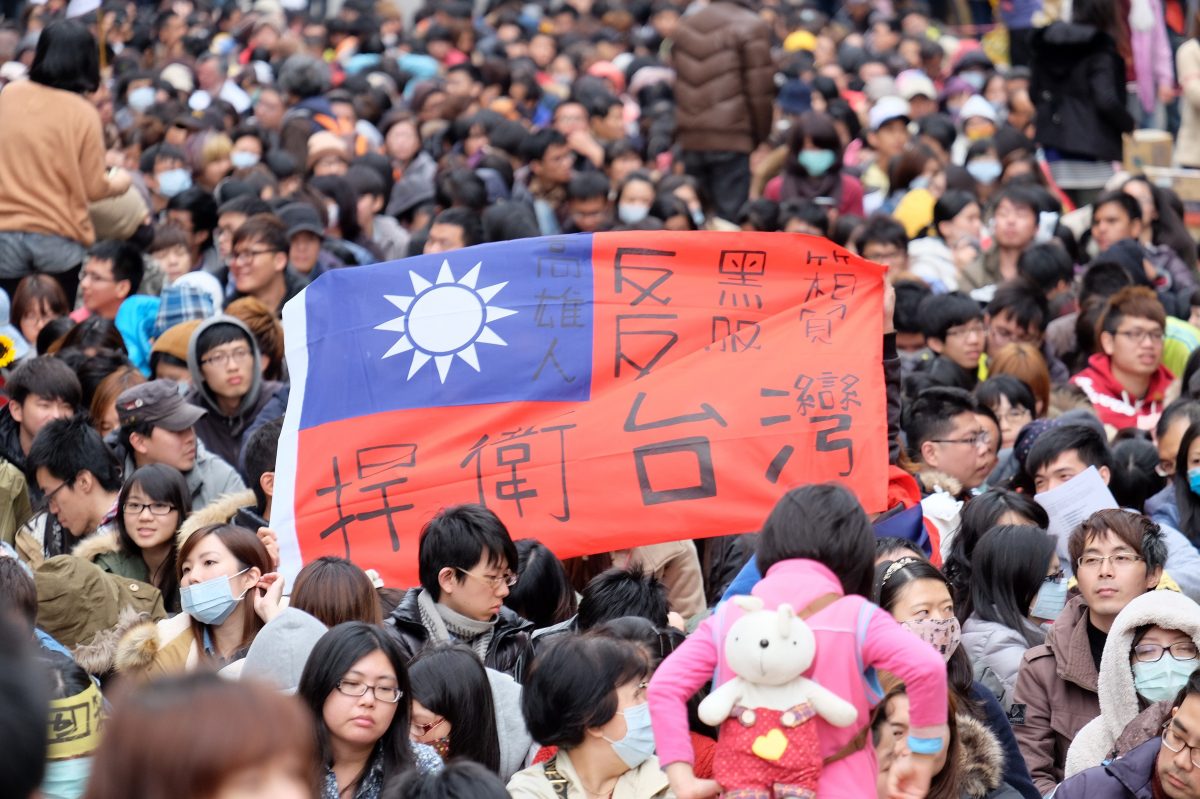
(1071, 503)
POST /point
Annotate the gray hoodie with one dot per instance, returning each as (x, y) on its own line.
(220, 433)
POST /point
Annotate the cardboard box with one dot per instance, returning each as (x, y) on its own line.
(1148, 148)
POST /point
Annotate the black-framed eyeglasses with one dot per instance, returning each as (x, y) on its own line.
(250, 255)
(1152, 653)
(1174, 743)
(156, 508)
(384, 693)
(46, 500)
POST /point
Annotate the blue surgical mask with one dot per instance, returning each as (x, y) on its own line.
(141, 98)
(974, 78)
(174, 181)
(1163, 678)
(816, 162)
(1194, 480)
(242, 159)
(985, 171)
(638, 744)
(632, 213)
(66, 779)
(212, 601)
(1051, 599)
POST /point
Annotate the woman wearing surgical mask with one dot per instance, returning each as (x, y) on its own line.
(984, 167)
(1017, 586)
(356, 686)
(587, 696)
(1150, 652)
(918, 596)
(635, 195)
(813, 168)
(228, 591)
(247, 150)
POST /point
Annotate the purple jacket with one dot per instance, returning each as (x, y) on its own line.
(1124, 778)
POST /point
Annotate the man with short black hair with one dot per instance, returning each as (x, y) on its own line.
(1015, 216)
(955, 332)
(1117, 556)
(945, 439)
(40, 390)
(258, 266)
(454, 229)
(883, 240)
(588, 208)
(159, 426)
(262, 448)
(466, 562)
(1116, 216)
(79, 478)
(1018, 314)
(113, 271)
(543, 183)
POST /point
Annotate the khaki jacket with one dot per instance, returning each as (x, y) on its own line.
(1056, 696)
(647, 781)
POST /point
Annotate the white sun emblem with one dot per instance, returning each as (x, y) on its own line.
(444, 319)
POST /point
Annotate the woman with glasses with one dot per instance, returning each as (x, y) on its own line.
(465, 711)
(1017, 585)
(152, 504)
(356, 685)
(1151, 651)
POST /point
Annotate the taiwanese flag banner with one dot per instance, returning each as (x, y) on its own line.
(596, 391)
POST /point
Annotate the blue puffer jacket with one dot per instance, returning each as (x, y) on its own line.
(1125, 778)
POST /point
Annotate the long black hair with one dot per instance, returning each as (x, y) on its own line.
(543, 593)
(1187, 501)
(980, 515)
(161, 483)
(450, 681)
(333, 656)
(824, 523)
(1010, 567)
(888, 589)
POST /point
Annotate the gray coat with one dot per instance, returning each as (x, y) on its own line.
(996, 651)
(515, 740)
(208, 479)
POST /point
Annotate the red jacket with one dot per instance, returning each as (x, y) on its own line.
(1113, 404)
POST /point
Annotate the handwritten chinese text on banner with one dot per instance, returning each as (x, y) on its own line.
(597, 392)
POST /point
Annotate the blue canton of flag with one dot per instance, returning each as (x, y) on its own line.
(457, 328)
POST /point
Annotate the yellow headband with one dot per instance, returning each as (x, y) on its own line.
(74, 725)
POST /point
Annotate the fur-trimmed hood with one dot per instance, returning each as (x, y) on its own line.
(1119, 703)
(99, 656)
(932, 480)
(103, 543)
(141, 644)
(220, 511)
(980, 758)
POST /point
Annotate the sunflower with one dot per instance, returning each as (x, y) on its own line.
(8, 351)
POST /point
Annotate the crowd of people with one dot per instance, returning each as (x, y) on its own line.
(173, 174)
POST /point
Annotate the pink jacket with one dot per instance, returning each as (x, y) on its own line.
(1153, 60)
(853, 637)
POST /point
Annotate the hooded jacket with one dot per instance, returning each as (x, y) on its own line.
(1078, 89)
(220, 433)
(1127, 778)
(1055, 695)
(1120, 704)
(1112, 402)
(980, 761)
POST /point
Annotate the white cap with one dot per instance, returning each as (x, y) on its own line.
(887, 109)
(976, 106)
(913, 83)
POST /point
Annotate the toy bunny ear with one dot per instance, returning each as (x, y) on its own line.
(786, 614)
(748, 603)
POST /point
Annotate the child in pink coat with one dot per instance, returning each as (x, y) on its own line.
(817, 550)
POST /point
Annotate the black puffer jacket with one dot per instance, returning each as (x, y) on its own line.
(511, 650)
(1078, 89)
